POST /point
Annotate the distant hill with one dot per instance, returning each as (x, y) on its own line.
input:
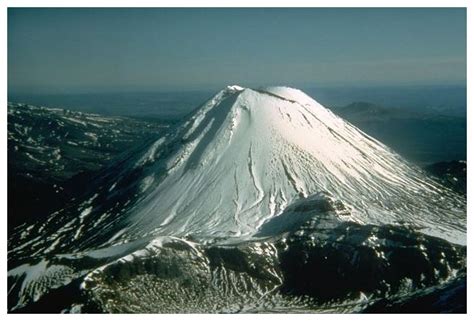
(421, 137)
(51, 148)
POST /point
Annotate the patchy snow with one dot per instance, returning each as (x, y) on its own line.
(77, 121)
(149, 156)
(92, 136)
(146, 183)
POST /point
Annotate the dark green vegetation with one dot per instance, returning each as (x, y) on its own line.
(53, 154)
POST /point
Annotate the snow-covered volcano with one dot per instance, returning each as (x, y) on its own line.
(238, 161)
(247, 171)
(246, 154)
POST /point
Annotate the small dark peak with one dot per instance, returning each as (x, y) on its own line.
(363, 107)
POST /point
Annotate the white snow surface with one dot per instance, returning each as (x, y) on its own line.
(238, 162)
(246, 154)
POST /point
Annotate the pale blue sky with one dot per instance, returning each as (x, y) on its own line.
(74, 50)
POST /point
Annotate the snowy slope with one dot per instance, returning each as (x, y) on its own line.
(246, 154)
(237, 162)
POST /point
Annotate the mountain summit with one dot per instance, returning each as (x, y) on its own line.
(246, 154)
(238, 161)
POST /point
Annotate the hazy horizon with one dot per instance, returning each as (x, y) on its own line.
(82, 50)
